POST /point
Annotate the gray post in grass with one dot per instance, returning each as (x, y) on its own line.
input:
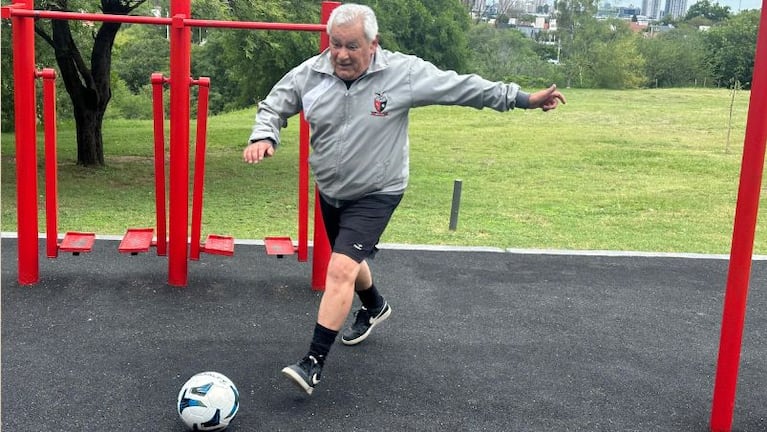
(456, 204)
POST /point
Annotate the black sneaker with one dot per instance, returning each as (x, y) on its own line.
(305, 374)
(364, 324)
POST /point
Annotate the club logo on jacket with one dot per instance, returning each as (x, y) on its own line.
(379, 103)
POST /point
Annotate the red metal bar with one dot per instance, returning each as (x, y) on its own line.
(84, 16)
(26, 143)
(303, 190)
(741, 253)
(180, 48)
(327, 8)
(159, 162)
(252, 25)
(199, 166)
(136, 19)
(51, 160)
(321, 251)
(23, 14)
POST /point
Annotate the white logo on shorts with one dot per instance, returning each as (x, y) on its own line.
(358, 246)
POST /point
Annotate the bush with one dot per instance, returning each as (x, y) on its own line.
(125, 104)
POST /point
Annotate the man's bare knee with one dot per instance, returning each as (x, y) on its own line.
(342, 270)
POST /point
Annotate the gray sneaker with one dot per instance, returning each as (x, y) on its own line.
(305, 374)
(364, 323)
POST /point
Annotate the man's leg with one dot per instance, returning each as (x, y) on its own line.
(374, 308)
(364, 277)
(353, 228)
(334, 307)
(339, 291)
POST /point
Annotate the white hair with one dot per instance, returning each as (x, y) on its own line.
(349, 13)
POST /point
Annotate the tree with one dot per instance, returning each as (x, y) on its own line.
(506, 7)
(477, 8)
(731, 48)
(6, 70)
(605, 55)
(44, 58)
(675, 58)
(432, 29)
(572, 15)
(244, 65)
(88, 85)
(714, 13)
(507, 55)
(614, 60)
(140, 50)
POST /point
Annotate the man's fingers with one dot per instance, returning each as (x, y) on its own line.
(256, 152)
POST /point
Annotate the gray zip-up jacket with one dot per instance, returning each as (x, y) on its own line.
(359, 135)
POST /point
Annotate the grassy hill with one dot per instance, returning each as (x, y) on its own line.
(644, 170)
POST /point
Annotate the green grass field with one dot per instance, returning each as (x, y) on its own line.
(641, 170)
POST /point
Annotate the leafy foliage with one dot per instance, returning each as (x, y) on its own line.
(6, 70)
(87, 78)
(431, 29)
(507, 55)
(712, 12)
(139, 51)
(244, 65)
(731, 48)
(603, 54)
(675, 59)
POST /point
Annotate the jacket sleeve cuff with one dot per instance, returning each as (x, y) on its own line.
(270, 139)
(522, 100)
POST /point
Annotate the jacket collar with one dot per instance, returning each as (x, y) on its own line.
(323, 64)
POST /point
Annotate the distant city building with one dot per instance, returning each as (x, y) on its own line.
(676, 8)
(628, 12)
(651, 9)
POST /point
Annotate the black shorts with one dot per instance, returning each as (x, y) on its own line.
(355, 227)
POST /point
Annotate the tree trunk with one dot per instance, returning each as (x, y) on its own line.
(90, 144)
(89, 88)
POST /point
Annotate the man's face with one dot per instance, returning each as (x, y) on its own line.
(350, 52)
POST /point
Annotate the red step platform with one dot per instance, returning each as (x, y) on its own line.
(279, 246)
(219, 245)
(136, 240)
(77, 242)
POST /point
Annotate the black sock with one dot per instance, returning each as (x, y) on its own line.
(321, 342)
(371, 298)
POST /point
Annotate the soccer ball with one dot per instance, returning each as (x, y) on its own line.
(208, 401)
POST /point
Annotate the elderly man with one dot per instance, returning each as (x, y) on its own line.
(357, 97)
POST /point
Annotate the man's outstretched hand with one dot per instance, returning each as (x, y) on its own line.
(547, 99)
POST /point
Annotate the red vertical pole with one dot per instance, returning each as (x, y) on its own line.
(303, 190)
(51, 169)
(741, 253)
(327, 8)
(23, 33)
(159, 162)
(199, 167)
(180, 47)
(321, 252)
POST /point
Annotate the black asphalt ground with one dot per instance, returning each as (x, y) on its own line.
(478, 341)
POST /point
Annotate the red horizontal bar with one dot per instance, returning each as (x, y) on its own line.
(133, 19)
(252, 25)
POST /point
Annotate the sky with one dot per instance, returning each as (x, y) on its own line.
(735, 5)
